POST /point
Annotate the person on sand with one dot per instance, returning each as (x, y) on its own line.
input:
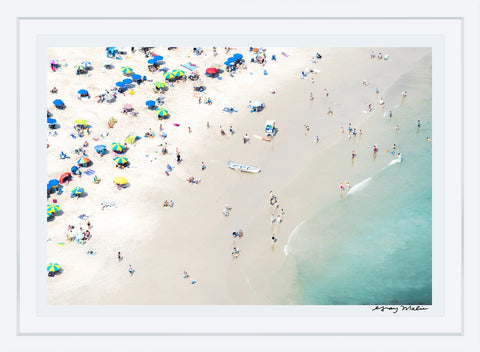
(326, 93)
(429, 139)
(189, 130)
(131, 270)
(119, 256)
(231, 130)
(208, 124)
(203, 166)
(353, 154)
(397, 128)
(222, 132)
(418, 124)
(246, 138)
(279, 219)
(274, 239)
(311, 97)
(330, 111)
(185, 275)
(317, 139)
(273, 218)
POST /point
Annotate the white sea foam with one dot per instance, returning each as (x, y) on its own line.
(285, 249)
(359, 186)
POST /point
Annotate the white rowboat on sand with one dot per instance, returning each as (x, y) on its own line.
(243, 168)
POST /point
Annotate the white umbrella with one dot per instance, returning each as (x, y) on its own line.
(107, 62)
(255, 104)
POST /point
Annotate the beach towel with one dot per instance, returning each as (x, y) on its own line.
(190, 66)
(219, 77)
(89, 172)
(229, 110)
(176, 124)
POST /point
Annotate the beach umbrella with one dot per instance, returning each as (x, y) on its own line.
(231, 59)
(120, 180)
(120, 160)
(150, 103)
(107, 62)
(83, 161)
(255, 104)
(74, 168)
(159, 85)
(99, 148)
(77, 190)
(79, 68)
(127, 80)
(158, 58)
(132, 138)
(178, 73)
(53, 183)
(53, 267)
(86, 64)
(58, 102)
(152, 61)
(80, 122)
(127, 106)
(237, 56)
(211, 71)
(51, 121)
(64, 176)
(127, 69)
(136, 77)
(52, 208)
(49, 215)
(54, 62)
(120, 84)
(83, 92)
(197, 84)
(117, 147)
(169, 75)
(228, 63)
(161, 112)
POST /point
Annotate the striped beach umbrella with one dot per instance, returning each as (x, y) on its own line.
(86, 64)
(159, 85)
(107, 62)
(161, 112)
(80, 122)
(77, 190)
(49, 215)
(79, 68)
(197, 84)
(169, 75)
(52, 208)
(120, 160)
(120, 180)
(117, 147)
(127, 69)
(178, 73)
(53, 267)
(83, 161)
(54, 62)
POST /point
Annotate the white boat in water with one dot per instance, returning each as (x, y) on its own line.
(243, 168)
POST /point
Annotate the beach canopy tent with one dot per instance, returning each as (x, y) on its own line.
(136, 77)
(66, 176)
(127, 70)
(121, 160)
(117, 147)
(100, 148)
(150, 103)
(112, 51)
(211, 71)
(81, 122)
(127, 80)
(53, 208)
(83, 161)
(51, 121)
(58, 102)
(53, 183)
(132, 138)
(120, 180)
(161, 112)
(120, 84)
(74, 169)
(53, 267)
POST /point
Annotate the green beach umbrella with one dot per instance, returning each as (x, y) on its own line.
(159, 85)
(81, 122)
(117, 147)
(169, 75)
(178, 73)
(161, 112)
(127, 69)
(120, 160)
(52, 208)
(53, 267)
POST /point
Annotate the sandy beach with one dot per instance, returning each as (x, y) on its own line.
(194, 235)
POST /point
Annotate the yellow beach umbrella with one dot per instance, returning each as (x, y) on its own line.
(81, 122)
(120, 180)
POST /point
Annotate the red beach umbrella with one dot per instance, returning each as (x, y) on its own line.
(65, 176)
(211, 70)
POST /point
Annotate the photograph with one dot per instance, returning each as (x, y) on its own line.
(241, 175)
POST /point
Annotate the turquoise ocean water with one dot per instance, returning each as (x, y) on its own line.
(374, 245)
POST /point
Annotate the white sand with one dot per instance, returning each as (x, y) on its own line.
(194, 235)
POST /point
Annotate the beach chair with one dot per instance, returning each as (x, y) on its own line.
(96, 179)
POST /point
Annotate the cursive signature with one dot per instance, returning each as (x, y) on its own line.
(400, 308)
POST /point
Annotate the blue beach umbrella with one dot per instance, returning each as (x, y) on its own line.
(83, 92)
(150, 103)
(120, 84)
(136, 77)
(152, 61)
(158, 58)
(58, 102)
(52, 183)
(100, 148)
(51, 121)
(228, 63)
(127, 81)
(237, 56)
